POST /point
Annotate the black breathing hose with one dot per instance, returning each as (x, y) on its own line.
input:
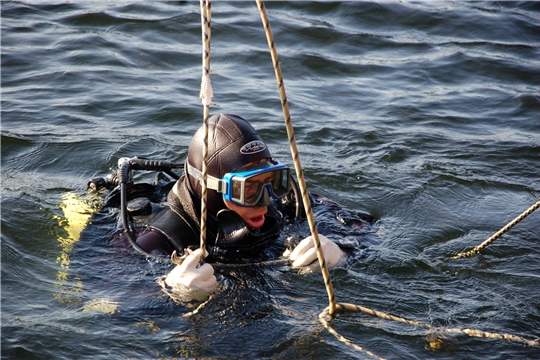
(124, 165)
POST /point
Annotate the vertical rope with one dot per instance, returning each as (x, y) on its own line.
(206, 96)
(296, 157)
(499, 233)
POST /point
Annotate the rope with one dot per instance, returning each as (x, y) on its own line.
(296, 157)
(331, 309)
(342, 307)
(196, 311)
(206, 96)
(498, 233)
(341, 338)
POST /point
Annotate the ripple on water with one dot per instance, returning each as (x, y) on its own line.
(422, 114)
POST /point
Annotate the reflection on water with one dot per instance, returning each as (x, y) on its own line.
(422, 114)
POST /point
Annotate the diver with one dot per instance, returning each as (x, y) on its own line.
(250, 198)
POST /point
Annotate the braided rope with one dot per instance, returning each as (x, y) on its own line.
(296, 157)
(206, 96)
(499, 233)
(326, 324)
(201, 305)
(331, 309)
(342, 307)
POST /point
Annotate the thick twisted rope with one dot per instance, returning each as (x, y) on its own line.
(499, 233)
(342, 307)
(296, 157)
(206, 97)
(333, 307)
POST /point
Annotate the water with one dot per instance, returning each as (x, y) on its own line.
(424, 114)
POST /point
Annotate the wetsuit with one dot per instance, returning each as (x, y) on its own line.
(175, 225)
(233, 144)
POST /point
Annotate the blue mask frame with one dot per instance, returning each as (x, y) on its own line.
(247, 188)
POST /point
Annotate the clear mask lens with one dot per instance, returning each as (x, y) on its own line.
(247, 188)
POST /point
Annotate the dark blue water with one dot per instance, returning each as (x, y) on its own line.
(424, 114)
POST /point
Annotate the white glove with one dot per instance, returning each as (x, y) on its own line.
(305, 254)
(190, 281)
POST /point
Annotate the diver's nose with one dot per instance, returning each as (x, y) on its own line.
(264, 200)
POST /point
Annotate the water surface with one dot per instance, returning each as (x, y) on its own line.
(424, 114)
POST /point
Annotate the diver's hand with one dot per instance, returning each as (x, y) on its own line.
(191, 281)
(305, 254)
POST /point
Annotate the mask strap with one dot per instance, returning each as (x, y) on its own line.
(211, 182)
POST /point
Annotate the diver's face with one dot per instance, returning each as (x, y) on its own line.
(253, 216)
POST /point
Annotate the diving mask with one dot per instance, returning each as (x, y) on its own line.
(250, 186)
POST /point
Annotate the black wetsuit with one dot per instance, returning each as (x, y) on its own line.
(175, 225)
